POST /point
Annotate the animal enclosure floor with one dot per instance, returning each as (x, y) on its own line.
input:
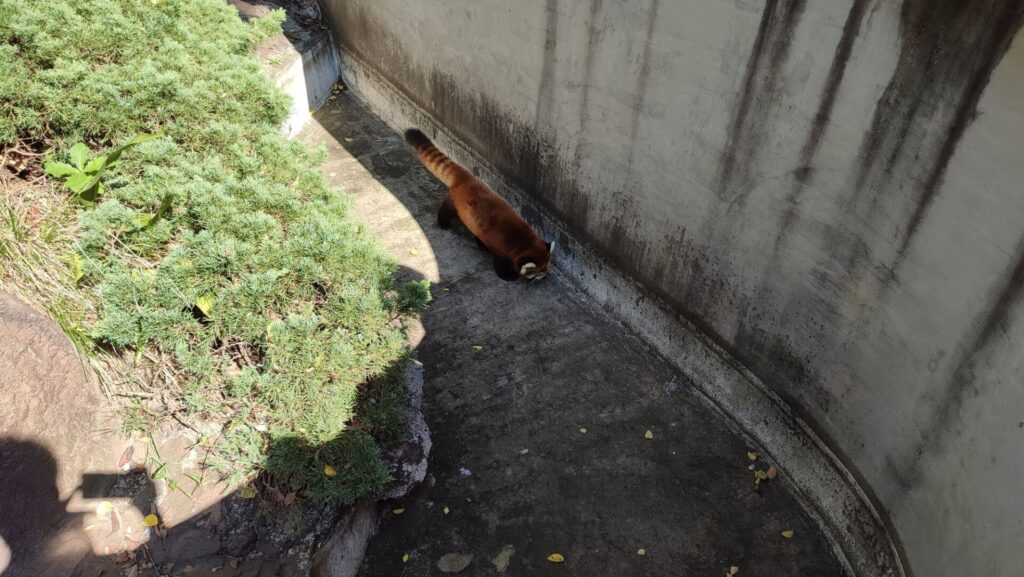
(540, 407)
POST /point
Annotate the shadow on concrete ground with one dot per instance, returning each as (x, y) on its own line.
(539, 405)
(97, 529)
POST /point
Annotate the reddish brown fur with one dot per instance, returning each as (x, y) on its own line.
(511, 240)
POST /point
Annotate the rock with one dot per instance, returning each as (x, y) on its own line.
(503, 558)
(187, 545)
(238, 544)
(51, 444)
(305, 12)
(454, 562)
(408, 460)
(342, 553)
(250, 10)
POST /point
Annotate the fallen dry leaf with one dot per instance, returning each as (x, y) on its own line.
(641, 552)
(104, 508)
(752, 466)
(477, 348)
(330, 471)
(150, 520)
(733, 570)
(772, 472)
(247, 492)
(398, 511)
(788, 534)
(751, 455)
(583, 430)
(502, 559)
(760, 474)
(454, 562)
(446, 510)
(556, 558)
(648, 435)
(405, 558)
(126, 458)
(233, 562)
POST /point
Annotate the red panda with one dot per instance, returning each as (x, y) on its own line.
(517, 249)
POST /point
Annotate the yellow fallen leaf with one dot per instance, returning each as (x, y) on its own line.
(788, 534)
(641, 552)
(760, 474)
(556, 558)
(405, 558)
(247, 492)
(478, 348)
(445, 289)
(330, 471)
(583, 430)
(104, 508)
(446, 510)
(151, 520)
(752, 466)
(752, 456)
(348, 140)
(413, 252)
(205, 304)
(398, 511)
(733, 570)
(648, 435)
(772, 472)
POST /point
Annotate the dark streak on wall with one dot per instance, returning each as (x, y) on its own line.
(757, 96)
(546, 93)
(949, 49)
(593, 37)
(643, 76)
(955, 391)
(804, 172)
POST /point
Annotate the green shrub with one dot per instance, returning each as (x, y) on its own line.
(271, 310)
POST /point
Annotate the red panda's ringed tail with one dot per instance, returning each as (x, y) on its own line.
(444, 168)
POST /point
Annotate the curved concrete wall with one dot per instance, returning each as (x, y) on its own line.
(832, 191)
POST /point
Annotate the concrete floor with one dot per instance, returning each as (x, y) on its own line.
(510, 459)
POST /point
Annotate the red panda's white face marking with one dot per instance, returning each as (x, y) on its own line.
(532, 271)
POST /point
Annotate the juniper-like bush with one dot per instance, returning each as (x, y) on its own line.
(274, 308)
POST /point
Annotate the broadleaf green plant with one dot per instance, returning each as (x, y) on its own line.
(83, 175)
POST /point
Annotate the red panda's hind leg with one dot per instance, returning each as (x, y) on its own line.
(446, 215)
(505, 268)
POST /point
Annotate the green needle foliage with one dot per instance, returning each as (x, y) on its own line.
(216, 249)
